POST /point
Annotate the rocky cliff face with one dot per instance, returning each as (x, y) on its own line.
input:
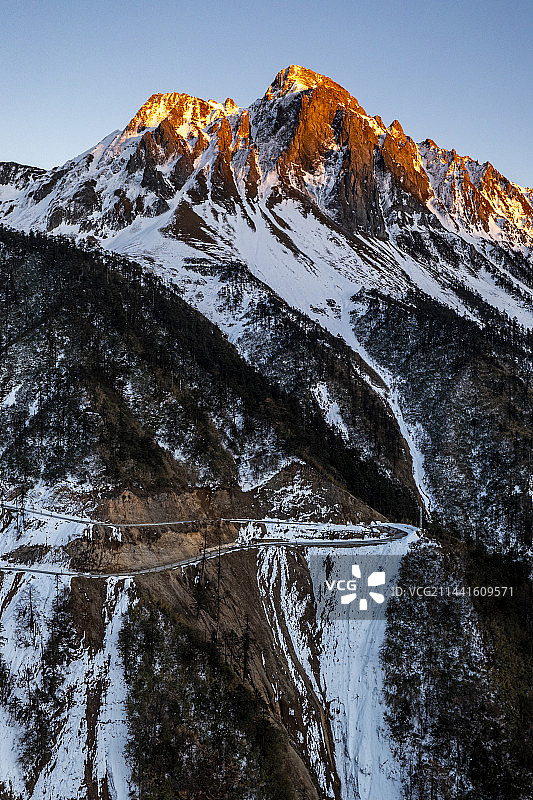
(307, 137)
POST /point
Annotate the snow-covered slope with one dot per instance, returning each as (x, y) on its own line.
(64, 727)
(336, 660)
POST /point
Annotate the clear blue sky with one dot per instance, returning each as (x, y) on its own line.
(457, 72)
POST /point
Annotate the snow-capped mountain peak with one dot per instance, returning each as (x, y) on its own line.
(478, 198)
(182, 111)
(209, 175)
(294, 79)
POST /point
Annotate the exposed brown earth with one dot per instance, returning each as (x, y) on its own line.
(145, 546)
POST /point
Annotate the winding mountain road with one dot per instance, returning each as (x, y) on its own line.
(397, 532)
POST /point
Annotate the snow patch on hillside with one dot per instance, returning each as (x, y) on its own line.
(330, 407)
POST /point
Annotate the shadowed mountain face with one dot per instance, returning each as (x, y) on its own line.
(109, 377)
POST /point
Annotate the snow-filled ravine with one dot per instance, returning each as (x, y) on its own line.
(338, 661)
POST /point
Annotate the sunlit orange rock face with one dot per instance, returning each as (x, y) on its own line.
(477, 193)
(402, 160)
(330, 137)
(306, 138)
(333, 136)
